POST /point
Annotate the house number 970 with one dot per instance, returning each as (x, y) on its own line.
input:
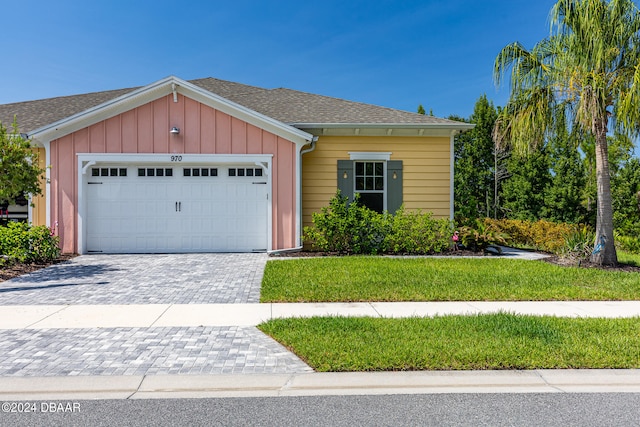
(176, 158)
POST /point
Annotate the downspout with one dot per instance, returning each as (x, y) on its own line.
(312, 146)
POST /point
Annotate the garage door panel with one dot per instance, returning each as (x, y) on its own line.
(176, 213)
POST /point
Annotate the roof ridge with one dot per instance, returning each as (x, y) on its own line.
(283, 104)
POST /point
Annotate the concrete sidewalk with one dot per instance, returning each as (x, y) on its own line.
(186, 315)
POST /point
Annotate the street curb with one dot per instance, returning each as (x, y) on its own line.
(319, 384)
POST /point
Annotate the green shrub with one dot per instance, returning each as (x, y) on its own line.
(482, 236)
(350, 228)
(22, 242)
(539, 235)
(579, 244)
(629, 244)
(418, 233)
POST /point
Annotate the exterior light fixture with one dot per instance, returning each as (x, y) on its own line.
(174, 130)
(395, 175)
(344, 175)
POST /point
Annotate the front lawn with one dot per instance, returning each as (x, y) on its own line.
(629, 258)
(496, 341)
(348, 279)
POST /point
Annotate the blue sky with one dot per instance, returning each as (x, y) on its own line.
(393, 53)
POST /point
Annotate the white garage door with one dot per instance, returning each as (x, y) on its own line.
(168, 209)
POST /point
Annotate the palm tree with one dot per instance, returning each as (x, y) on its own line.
(587, 70)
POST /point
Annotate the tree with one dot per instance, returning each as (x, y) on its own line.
(564, 194)
(19, 171)
(587, 70)
(620, 150)
(626, 198)
(421, 110)
(474, 162)
(523, 192)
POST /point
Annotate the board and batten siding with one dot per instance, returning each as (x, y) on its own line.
(145, 129)
(426, 170)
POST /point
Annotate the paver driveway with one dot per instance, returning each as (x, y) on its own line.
(142, 279)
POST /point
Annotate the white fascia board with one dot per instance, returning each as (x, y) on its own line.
(384, 129)
(156, 90)
(450, 126)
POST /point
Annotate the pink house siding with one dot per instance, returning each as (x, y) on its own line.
(145, 129)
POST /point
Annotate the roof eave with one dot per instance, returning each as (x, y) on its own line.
(161, 88)
(84, 118)
(384, 129)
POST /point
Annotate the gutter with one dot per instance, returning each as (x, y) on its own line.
(452, 126)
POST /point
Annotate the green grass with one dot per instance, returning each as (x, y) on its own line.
(350, 279)
(499, 341)
(629, 258)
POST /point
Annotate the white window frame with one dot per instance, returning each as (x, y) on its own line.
(383, 157)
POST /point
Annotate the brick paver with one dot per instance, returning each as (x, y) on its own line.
(141, 279)
(143, 351)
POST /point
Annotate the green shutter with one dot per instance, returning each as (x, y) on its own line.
(345, 185)
(394, 186)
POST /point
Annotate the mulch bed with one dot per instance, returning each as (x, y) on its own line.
(311, 254)
(564, 262)
(572, 262)
(14, 270)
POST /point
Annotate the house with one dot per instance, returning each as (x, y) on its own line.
(214, 166)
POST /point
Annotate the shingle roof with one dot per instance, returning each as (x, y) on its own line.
(286, 105)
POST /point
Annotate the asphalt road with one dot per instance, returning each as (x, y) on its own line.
(549, 409)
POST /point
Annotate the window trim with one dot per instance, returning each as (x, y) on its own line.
(369, 156)
(384, 177)
(395, 191)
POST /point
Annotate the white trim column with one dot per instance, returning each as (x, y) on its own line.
(452, 163)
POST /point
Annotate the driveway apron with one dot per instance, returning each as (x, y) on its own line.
(142, 279)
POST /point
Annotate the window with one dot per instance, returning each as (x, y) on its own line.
(378, 181)
(108, 171)
(200, 172)
(152, 172)
(245, 172)
(369, 183)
